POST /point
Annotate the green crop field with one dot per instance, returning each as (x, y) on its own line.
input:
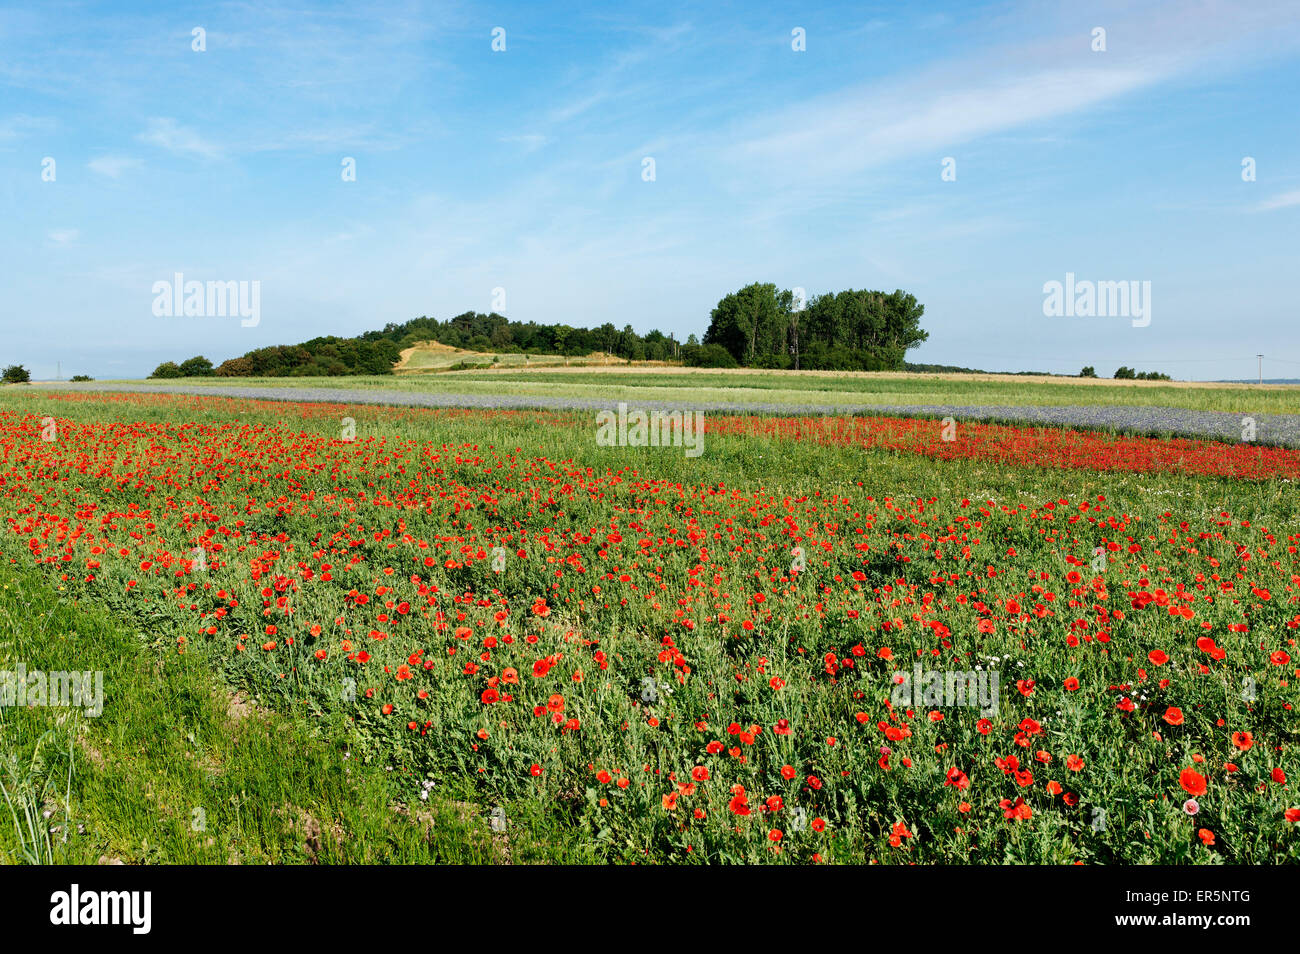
(537, 647)
(796, 388)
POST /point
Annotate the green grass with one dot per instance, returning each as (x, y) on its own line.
(722, 522)
(438, 359)
(173, 772)
(423, 359)
(702, 387)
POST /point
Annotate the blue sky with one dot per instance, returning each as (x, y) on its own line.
(522, 170)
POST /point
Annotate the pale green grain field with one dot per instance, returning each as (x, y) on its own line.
(779, 388)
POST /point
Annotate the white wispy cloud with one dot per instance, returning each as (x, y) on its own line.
(1283, 200)
(873, 125)
(579, 105)
(530, 141)
(20, 126)
(63, 236)
(328, 138)
(113, 166)
(994, 90)
(179, 140)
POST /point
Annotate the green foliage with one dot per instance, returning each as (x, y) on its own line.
(900, 520)
(1125, 373)
(168, 369)
(475, 331)
(196, 367)
(269, 787)
(328, 356)
(375, 352)
(844, 331)
(708, 356)
(750, 322)
(16, 374)
(1088, 372)
(939, 369)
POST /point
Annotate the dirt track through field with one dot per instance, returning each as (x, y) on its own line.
(1270, 429)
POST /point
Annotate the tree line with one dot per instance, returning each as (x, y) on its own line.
(756, 326)
(375, 352)
(1125, 373)
(320, 357)
(851, 330)
(475, 331)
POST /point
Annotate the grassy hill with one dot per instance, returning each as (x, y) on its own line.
(433, 356)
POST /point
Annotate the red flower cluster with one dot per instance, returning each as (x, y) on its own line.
(705, 665)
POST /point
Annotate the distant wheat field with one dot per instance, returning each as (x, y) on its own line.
(424, 370)
(428, 356)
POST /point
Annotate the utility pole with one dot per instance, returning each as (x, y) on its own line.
(1261, 368)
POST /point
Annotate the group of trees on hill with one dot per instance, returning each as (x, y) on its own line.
(1124, 373)
(475, 331)
(762, 327)
(195, 367)
(17, 374)
(757, 326)
(326, 356)
(323, 357)
(375, 352)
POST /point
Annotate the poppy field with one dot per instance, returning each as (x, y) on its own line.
(681, 660)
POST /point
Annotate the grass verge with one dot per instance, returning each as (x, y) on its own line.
(178, 770)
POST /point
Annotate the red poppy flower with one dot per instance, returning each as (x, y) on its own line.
(1192, 781)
